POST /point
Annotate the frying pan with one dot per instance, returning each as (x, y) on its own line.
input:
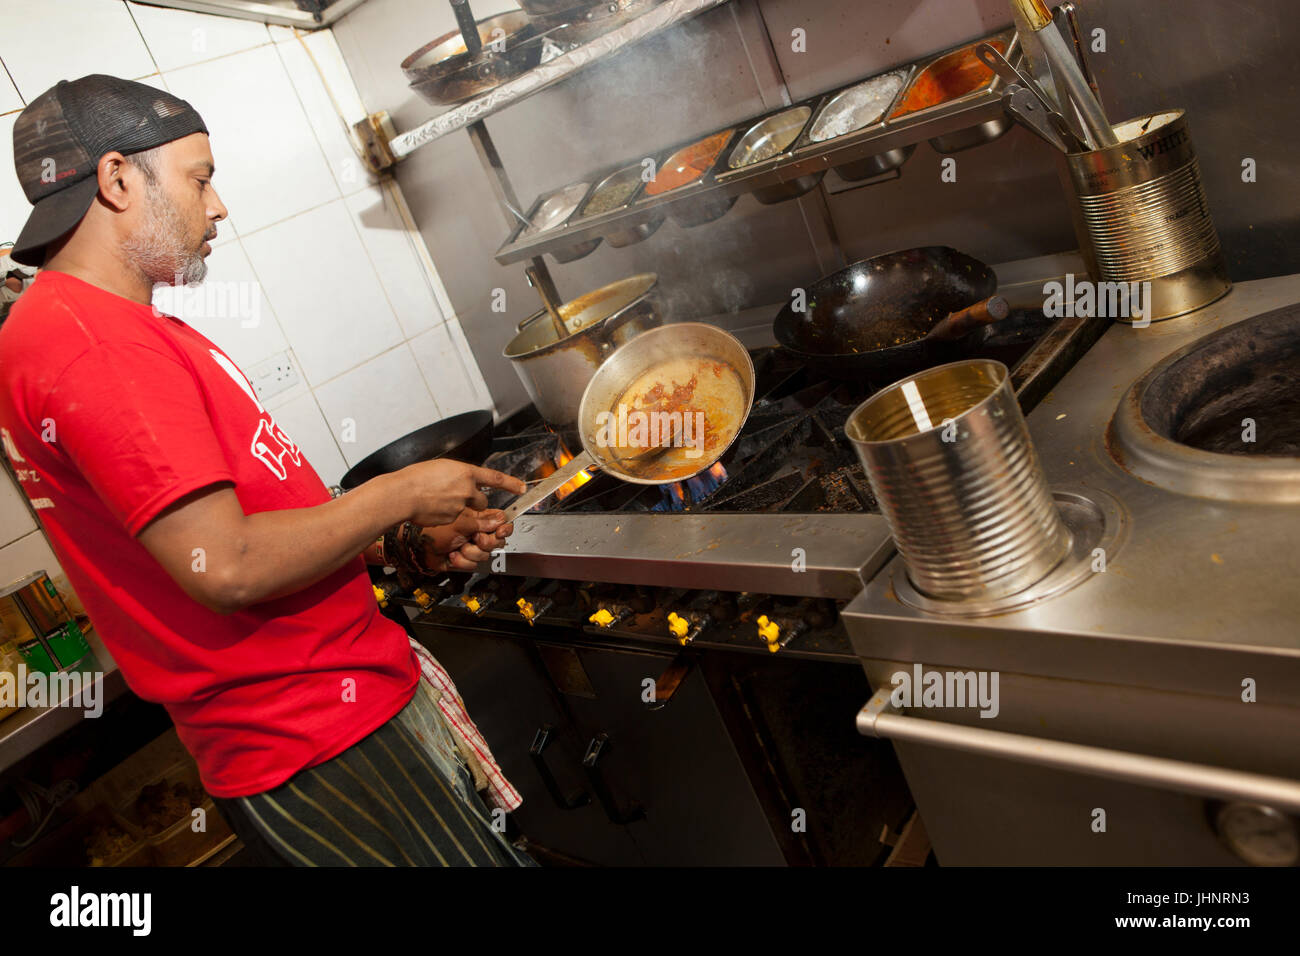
(689, 367)
(854, 319)
(444, 72)
(466, 437)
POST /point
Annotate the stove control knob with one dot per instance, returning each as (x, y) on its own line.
(476, 604)
(530, 612)
(422, 598)
(686, 627)
(602, 618)
(380, 595)
(776, 634)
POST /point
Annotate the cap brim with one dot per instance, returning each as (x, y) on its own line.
(51, 218)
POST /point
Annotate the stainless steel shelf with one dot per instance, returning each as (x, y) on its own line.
(660, 18)
(911, 129)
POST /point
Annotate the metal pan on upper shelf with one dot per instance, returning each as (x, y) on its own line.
(702, 368)
(443, 73)
(573, 28)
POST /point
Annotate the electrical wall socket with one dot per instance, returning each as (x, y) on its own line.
(273, 376)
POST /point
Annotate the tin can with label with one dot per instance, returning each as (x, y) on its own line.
(1141, 215)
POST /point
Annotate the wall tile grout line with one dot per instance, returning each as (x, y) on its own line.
(21, 98)
(143, 41)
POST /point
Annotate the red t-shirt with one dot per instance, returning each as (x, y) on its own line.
(111, 411)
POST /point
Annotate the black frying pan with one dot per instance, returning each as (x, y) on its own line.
(466, 437)
(870, 319)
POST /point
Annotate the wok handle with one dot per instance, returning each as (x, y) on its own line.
(549, 485)
(992, 309)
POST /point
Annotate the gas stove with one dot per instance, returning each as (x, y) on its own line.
(759, 553)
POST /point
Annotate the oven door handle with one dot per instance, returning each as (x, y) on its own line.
(536, 753)
(879, 718)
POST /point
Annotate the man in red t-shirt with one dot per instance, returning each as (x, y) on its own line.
(213, 563)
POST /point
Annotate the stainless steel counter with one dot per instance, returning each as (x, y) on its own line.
(828, 555)
(1196, 594)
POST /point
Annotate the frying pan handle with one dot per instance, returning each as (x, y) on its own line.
(549, 485)
(992, 309)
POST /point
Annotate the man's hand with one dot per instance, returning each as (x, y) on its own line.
(441, 490)
(465, 542)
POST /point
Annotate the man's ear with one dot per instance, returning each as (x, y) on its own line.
(117, 179)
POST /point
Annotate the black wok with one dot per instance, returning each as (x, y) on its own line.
(869, 320)
(466, 437)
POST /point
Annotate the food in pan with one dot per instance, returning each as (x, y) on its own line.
(688, 164)
(857, 107)
(555, 209)
(693, 404)
(947, 78)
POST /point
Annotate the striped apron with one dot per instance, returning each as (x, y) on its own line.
(403, 796)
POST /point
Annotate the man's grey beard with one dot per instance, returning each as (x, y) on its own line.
(157, 249)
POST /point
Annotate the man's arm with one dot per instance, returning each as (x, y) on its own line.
(227, 560)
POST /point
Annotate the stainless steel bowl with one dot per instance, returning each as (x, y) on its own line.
(973, 136)
(875, 165)
(846, 112)
(551, 213)
(633, 234)
(697, 212)
(790, 189)
(769, 138)
(627, 235)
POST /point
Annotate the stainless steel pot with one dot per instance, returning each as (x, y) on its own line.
(556, 370)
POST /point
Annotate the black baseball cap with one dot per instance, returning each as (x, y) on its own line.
(61, 136)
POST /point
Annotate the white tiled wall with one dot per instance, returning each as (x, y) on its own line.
(338, 278)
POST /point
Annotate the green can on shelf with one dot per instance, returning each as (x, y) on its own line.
(47, 635)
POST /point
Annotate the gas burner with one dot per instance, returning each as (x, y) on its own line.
(1220, 417)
